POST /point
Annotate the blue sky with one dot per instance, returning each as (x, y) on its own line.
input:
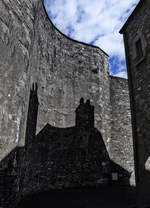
(96, 22)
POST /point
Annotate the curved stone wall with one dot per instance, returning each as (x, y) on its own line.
(65, 70)
(16, 29)
(33, 50)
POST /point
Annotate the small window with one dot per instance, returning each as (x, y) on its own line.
(115, 176)
(139, 50)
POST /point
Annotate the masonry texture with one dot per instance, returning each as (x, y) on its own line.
(136, 33)
(121, 149)
(33, 50)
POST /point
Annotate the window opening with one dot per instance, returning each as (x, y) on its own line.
(139, 50)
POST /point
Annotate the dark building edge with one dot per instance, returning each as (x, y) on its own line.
(139, 5)
(131, 94)
(115, 77)
(133, 117)
(76, 41)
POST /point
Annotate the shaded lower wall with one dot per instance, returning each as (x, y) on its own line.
(20, 179)
(10, 177)
(34, 169)
(59, 158)
(121, 143)
(106, 197)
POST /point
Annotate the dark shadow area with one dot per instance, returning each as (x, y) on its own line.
(106, 197)
(68, 167)
(10, 175)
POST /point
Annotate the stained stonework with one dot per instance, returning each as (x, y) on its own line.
(136, 33)
(64, 69)
(121, 145)
(33, 50)
(16, 28)
(58, 158)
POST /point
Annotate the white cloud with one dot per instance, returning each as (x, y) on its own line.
(97, 21)
(122, 74)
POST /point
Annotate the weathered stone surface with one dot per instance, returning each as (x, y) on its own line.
(33, 50)
(58, 158)
(65, 70)
(15, 43)
(121, 144)
(136, 29)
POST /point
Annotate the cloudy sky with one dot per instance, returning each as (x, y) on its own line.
(96, 22)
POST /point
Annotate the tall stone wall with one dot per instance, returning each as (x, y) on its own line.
(65, 70)
(33, 50)
(137, 31)
(16, 32)
(121, 144)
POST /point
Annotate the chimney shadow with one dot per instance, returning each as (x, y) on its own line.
(63, 166)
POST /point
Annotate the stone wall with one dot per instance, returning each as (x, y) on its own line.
(137, 29)
(58, 158)
(10, 177)
(65, 70)
(73, 157)
(16, 32)
(121, 144)
(33, 50)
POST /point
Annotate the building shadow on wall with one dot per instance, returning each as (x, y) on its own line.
(63, 166)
